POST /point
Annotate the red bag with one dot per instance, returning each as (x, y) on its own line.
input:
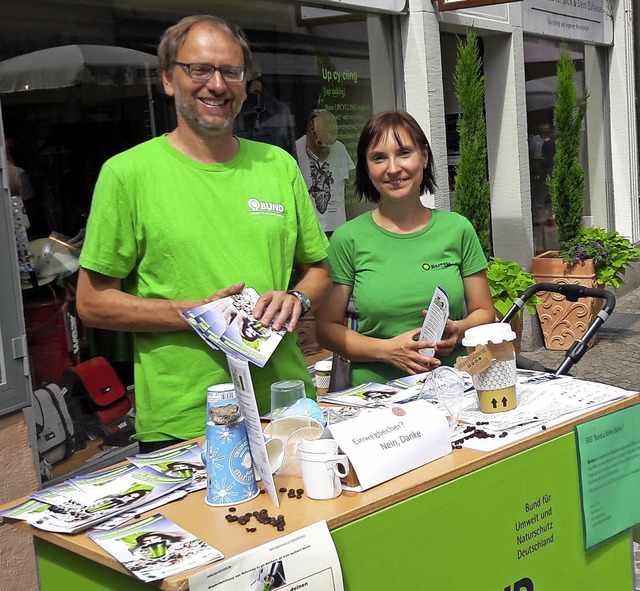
(99, 399)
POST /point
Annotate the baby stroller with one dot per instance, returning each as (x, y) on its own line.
(572, 293)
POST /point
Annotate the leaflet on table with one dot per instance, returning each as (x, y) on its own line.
(435, 320)
(184, 460)
(392, 441)
(95, 498)
(408, 381)
(304, 559)
(372, 395)
(140, 509)
(229, 325)
(155, 548)
(544, 400)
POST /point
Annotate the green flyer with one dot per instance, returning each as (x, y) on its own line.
(609, 466)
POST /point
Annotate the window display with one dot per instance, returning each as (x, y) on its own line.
(72, 96)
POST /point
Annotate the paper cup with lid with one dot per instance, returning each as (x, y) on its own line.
(322, 371)
(492, 346)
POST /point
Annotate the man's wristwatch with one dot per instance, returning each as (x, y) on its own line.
(305, 302)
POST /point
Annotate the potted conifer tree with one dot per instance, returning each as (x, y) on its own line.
(472, 198)
(588, 256)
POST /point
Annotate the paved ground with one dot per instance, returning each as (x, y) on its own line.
(612, 360)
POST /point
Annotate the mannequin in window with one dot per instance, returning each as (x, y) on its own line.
(264, 118)
(325, 164)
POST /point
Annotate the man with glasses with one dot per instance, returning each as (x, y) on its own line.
(191, 217)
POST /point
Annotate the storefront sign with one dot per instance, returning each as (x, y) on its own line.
(386, 6)
(581, 20)
(457, 4)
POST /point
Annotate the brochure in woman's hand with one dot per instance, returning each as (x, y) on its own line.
(435, 320)
(229, 325)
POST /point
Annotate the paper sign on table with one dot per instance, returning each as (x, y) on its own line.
(243, 384)
(391, 441)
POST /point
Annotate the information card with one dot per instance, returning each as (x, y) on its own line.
(609, 462)
(391, 441)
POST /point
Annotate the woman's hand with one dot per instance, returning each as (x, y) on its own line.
(403, 352)
(450, 338)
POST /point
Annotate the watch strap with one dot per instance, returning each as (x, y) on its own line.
(305, 302)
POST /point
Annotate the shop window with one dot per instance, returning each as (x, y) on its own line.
(64, 128)
(541, 59)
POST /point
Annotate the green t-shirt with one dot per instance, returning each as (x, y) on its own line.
(393, 277)
(173, 228)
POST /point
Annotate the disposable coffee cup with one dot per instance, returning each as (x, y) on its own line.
(496, 384)
(230, 475)
(323, 376)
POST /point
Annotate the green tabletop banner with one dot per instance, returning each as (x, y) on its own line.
(609, 468)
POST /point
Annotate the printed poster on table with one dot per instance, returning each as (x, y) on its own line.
(304, 559)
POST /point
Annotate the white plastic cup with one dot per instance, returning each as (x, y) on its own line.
(292, 431)
(322, 467)
(323, 376)
(496, 385)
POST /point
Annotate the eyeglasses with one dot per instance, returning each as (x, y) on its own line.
(203, 72)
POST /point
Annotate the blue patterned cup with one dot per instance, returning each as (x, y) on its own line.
(230, 476)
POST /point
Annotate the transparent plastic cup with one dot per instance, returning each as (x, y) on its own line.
(444, 386)
(285, 394)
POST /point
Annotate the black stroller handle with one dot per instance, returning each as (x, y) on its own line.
(572, 293)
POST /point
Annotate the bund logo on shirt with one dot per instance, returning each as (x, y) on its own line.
(429, 267)
(265, 208)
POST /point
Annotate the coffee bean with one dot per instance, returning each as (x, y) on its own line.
(251, 529)
(544, 427)
(283, 489)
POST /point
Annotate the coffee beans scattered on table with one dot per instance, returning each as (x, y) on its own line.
(263, 516)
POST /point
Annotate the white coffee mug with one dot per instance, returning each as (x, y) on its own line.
(322, 467)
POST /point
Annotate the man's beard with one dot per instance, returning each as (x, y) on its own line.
(186, 109)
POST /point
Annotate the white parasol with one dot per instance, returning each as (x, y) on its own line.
(71, 65)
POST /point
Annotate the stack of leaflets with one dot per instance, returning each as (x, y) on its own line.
(371, 395)
(155, 548)
(229, 325)
(88, 500)
(184, 460)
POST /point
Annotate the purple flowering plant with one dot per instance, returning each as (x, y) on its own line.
(611, 253)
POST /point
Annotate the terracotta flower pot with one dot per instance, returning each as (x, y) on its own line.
(563, 322)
